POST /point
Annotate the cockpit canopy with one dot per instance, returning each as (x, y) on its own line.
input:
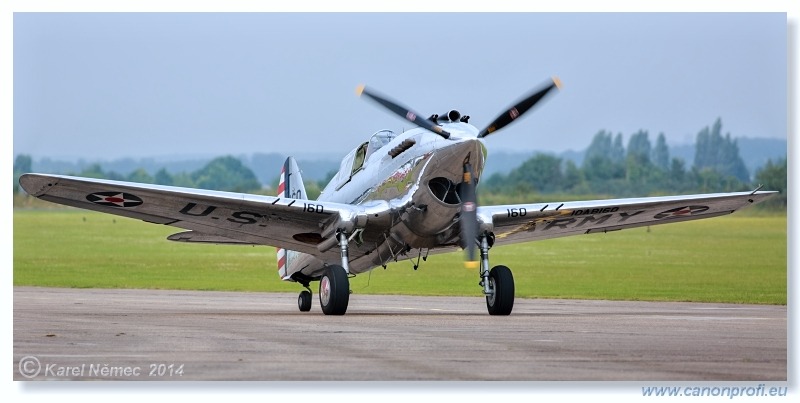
(378, 140)
(354, 161)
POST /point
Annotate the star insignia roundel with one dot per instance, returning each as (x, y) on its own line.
(681, 212)
(115, 199)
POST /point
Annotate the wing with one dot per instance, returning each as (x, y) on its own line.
(528, 222)
(212, 216)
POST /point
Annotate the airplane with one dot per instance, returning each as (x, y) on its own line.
(395, 196)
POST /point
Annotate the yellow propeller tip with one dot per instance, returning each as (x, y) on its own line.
(359, 89)
(471, 265)
(557, 82)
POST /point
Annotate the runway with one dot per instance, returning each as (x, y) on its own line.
(88, 334)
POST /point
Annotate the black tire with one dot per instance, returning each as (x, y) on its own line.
(304, 301)
(334, 291)
(502, 301)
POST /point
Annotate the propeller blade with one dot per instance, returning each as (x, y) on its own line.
(403, 112)
(469, 216)
(519, 109)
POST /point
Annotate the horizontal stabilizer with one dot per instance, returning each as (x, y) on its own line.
(197, 237)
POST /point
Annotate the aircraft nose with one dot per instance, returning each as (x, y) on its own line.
(473, 150)
(449, 161)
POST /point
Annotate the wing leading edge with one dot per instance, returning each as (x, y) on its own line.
(529, 222)
(211, 216)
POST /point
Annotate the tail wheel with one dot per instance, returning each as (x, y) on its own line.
(501, 282)
(334, 291)
(304, 301)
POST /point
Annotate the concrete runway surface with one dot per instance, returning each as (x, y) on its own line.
(89, 334)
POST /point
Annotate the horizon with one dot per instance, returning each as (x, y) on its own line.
(334, 155)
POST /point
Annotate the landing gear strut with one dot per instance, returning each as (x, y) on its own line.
(498, 283)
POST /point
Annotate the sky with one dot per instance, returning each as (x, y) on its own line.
(110, 85)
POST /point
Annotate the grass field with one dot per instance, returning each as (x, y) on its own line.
(739, 259)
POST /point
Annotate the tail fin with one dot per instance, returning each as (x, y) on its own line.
(290, 186)
(291, 183)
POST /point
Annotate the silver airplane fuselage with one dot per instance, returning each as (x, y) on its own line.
(415, 175)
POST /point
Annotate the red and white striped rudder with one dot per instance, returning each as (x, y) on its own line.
(291, 186)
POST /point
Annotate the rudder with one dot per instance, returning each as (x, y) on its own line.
(291, 182)
(291, 186)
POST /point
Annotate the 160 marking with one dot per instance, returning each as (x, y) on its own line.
(313, 208)
(517, 212)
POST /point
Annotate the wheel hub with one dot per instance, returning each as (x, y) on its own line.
(325, 290)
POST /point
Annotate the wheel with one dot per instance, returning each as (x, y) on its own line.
(334, 291)
(501, 281)
(304, 301)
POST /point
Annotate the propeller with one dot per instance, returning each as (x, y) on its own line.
(466, 191)
(403, 112)
(469, 215)
(519, 109)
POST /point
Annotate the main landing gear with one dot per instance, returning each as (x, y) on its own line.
(334, 286)
(497, 283)
(334, 291)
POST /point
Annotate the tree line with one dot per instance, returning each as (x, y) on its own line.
(609, 169)
(222, 173)
(642, 168)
